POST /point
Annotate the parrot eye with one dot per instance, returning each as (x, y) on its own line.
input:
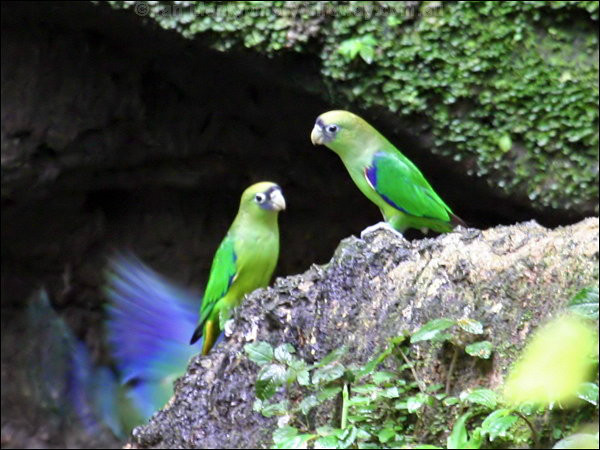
(332, 129)
(260, 197)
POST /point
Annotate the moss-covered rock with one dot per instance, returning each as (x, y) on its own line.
(508, 90)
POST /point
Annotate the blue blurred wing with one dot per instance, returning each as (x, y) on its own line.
(149, 324)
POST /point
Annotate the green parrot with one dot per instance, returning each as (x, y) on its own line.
(383, 174)
(244, 261)
(149, 323)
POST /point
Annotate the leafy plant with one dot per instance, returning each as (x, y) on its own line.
(585, 303)
(363, 46)
(378, 407)
(383, 402)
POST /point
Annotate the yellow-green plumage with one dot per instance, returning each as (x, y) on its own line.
(244, 261)
(383, 174)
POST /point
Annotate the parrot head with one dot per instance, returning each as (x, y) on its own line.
(341, 131)
(263, 197)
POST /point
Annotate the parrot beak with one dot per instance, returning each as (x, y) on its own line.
(316, 136)
(277, 200)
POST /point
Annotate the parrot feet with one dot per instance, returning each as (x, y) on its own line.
(379, 226)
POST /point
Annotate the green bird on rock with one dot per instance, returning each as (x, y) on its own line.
(244, 261)
(149, 323)
(383, 174)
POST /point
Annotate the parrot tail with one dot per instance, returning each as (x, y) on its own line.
(197, 334)
(456, 221)
(210, 334)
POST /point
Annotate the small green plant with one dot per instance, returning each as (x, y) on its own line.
(364, 46)
(378, 407)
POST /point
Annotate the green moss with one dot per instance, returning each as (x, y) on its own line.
(507, 89)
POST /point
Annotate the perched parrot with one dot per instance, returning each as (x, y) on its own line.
(244, 261)
(383, 174)
(150, 319)
(149, 324)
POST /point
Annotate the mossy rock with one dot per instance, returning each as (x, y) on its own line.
(508, 90)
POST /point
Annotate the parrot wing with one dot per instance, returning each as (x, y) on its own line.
(222, 274)
(149, 323)
(402, 186)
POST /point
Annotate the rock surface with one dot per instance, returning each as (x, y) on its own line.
(509, 278)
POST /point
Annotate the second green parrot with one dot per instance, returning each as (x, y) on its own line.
(387, 177)
(244, 261)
